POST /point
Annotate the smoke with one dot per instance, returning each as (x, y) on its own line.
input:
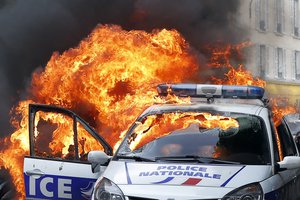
(199, 21)
(32, 30)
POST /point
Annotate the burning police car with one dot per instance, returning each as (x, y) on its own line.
(223, 145)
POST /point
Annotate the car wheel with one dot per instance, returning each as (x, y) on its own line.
(6, 189)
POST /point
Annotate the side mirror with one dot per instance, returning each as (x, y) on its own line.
(97, 158)
(289, 162)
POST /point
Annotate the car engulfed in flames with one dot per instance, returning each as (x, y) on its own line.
(108, 79)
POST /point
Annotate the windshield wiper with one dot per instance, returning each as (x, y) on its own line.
(194, 158)
(137, 158)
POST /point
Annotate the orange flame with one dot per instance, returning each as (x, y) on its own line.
(278, 113)
(12, 154)
(221, 54)
(240, 76)
(221, 57)
(108, 79)
(280, 110)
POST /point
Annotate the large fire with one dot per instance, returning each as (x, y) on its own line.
(109, 78)
(221, 57)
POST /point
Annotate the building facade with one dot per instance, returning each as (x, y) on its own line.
(274, 30)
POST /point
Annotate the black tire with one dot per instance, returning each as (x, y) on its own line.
(7, 192)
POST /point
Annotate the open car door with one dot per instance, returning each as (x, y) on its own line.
(57, 167)
(287, 177)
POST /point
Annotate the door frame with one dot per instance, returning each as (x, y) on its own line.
(34, 108)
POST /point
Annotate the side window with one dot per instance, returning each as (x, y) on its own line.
(86, 142)
(287, 143)
(52, 131)
(54, 137)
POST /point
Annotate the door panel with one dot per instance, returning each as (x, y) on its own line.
(290, 178)
(53, 179)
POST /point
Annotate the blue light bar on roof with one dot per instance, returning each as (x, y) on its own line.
(205, 90)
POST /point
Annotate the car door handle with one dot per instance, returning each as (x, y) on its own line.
(36, 173)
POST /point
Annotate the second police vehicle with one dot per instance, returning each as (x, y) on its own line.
(223, 145)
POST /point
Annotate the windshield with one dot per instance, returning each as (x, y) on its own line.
(239, 138)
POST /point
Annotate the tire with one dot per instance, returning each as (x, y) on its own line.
(7, 191)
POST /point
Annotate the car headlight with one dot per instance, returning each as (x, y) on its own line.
(107, 190)
(247, 192)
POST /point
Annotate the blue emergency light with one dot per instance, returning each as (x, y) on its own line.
(206, 90)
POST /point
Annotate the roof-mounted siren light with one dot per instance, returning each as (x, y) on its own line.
(206, 90)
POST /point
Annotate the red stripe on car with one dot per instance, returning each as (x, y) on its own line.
(192, 181)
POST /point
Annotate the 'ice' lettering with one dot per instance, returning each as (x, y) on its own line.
(63, 187)
(43, 186)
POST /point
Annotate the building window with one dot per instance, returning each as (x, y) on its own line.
(261, 13)
(296, 18)
(262, 60)
(297, 65)
(279, 62)
(279, 16)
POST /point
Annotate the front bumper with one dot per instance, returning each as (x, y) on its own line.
(169, 192)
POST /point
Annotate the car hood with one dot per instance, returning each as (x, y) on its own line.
(202, 175)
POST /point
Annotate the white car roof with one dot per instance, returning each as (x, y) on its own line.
(222, 105)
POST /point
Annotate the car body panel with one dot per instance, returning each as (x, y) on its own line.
(167, 192)
(51, 179)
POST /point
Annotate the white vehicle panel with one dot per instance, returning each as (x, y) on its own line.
(224, 107)
(136, 173)
(58, 179)
(164, 192)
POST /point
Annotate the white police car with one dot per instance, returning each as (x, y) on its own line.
(222, 146)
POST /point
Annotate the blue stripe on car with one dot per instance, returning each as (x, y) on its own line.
(227, 181)
(127, 174)
(168, 179)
